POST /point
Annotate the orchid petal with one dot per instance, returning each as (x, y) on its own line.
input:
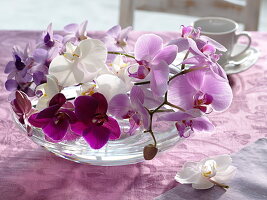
(93, 57)
(114, 31)
(10, 67)
(223, 176)
(202, 183)
(119, 106)
(40, 123)
(114, 128)
(11, 85)
(137, 94)
(56, 129)
(167, 54)
(85, 107)
(216, 44)
(78, 127)
(202, 124)
(59, 99)
(110, 85)
(181, 43)
(147, 46)
(222, 162)
(65, 71)
(188, 174)
(102, 103)
(159, 78)
(96, 136)
(194, 47)
(220, 90)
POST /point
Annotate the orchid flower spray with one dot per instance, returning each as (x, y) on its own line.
(106, 87)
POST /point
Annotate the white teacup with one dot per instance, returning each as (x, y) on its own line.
(222, 30)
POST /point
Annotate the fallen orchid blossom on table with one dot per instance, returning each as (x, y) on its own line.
(207, 173)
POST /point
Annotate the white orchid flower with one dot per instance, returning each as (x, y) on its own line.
(49, 90)
(81, 63)
(120, 69)
(207, 173)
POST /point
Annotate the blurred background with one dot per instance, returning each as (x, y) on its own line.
(151, 15)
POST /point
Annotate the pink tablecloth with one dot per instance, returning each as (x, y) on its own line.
(28, 171)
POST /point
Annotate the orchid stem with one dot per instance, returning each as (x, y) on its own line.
(186, 55)
(118, 53)
(142, 83)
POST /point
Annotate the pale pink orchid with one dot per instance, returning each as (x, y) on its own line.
(154, 60)
(200, 89)
(130, 107)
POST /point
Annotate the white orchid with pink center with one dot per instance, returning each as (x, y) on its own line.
(207, 173)
(139, 85)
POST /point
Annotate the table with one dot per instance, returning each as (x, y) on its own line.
(28, 171)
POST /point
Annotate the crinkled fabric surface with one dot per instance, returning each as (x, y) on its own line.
(28, 171)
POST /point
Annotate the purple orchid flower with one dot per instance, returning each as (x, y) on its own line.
(200, 89)
(188, 122)
(123, 107)
(208, 58)
(154, 59)
(193, 41)
(93, 123)
(75, 32)
(19, 77)
(42, 58)
(49, 39)
(55, 119)
(21, 106)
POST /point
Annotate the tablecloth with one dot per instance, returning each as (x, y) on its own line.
(28, 171)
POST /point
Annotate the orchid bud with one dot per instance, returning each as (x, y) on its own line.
(150, 151)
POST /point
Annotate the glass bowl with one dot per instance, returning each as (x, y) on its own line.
(126, 150)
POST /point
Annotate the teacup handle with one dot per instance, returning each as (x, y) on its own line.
(237, 36)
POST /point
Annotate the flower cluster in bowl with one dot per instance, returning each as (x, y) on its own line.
(143, 83)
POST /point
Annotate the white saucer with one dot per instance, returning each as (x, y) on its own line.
(242, 62)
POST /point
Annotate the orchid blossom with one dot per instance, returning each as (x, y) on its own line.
(79, 64)
(200, 89)
(207, 173)
(93, 124)
(188, 122)
(193, 41)
(55, 119)
(49, 39)
(124, 107)
(154, 59)
(75, 32)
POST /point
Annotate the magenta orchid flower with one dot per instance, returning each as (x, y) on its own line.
(55, 119)
(124, 107)
(75, 32)
(93, 124)
(187, 123)
(154, 59)
(193, 41)
(200, 89)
